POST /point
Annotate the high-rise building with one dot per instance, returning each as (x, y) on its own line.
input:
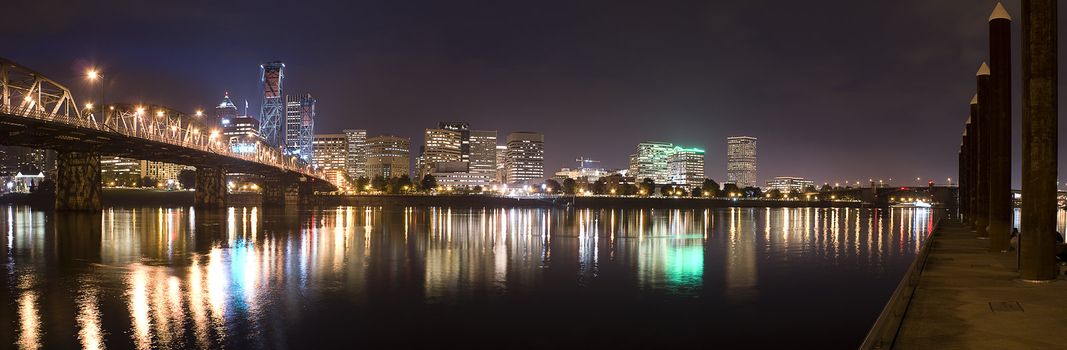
(299, 125)
(165, 174)
(270, 123)
(242, 134)
(501, 164)
(119, 171)
(464, 130)
(651, 161)
(686, 166)
(329, 152)
(23, 159)
(225, 111)
(741, 161)
(785, 184)
(441, 146)
(356, 161)
(388, 156)
(483, 152)
(525, 157)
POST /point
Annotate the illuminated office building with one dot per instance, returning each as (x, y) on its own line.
(356, 160)
(388, 156)
(299, 126)
(441, 146)
(785, 184)
(329, 152)
(686, 166)
(741, 161)
(525, 157)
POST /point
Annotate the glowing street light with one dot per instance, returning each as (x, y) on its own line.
(199, 113)
(92, 74)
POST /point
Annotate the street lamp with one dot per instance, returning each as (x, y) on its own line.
(93, 75)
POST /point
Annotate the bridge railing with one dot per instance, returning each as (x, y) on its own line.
(172, 135)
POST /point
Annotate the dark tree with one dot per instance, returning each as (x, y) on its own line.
(361, 183)
(402, 183)
(476, 189)
(774, 193)
(731, 190)
(348, 179)
(600, 186)
(794, 194)
(428, 183)
(710, 188)
(826, 188)
(810, 189)
(695, 192)
(187, 178)
(378, 183)
(647, 187)
(666, 190)
(46, 186)
(149, 182)
(569, 186)
(752, 192)
(553, 186)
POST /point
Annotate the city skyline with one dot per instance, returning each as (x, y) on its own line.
(701, 90)
(662, 173)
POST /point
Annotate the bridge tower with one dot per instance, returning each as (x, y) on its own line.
(270, 117)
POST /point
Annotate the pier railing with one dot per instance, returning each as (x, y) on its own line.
(885, 329)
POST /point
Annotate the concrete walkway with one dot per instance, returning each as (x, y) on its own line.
(968, 298)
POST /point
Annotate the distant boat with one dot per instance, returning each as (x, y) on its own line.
(915, 204)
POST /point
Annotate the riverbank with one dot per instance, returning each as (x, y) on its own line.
(127, 197)
(132, 197)
(576, 202)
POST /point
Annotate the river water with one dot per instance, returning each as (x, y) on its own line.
(359, 277)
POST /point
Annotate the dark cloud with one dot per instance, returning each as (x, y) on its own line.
(835, 90)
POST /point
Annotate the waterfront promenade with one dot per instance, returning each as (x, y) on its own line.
(969, 298)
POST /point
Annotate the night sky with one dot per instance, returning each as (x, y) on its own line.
(835, 90)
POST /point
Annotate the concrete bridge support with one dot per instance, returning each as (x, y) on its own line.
(210, 187)
(283, 193)
(78, 181)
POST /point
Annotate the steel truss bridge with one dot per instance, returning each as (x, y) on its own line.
(38, 112)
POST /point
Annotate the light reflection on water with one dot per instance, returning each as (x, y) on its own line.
(248, 277)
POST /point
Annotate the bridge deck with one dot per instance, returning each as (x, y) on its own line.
(968, 298)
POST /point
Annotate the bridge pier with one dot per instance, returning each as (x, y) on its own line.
(282, 193)
(78, 181)
(210, 187)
